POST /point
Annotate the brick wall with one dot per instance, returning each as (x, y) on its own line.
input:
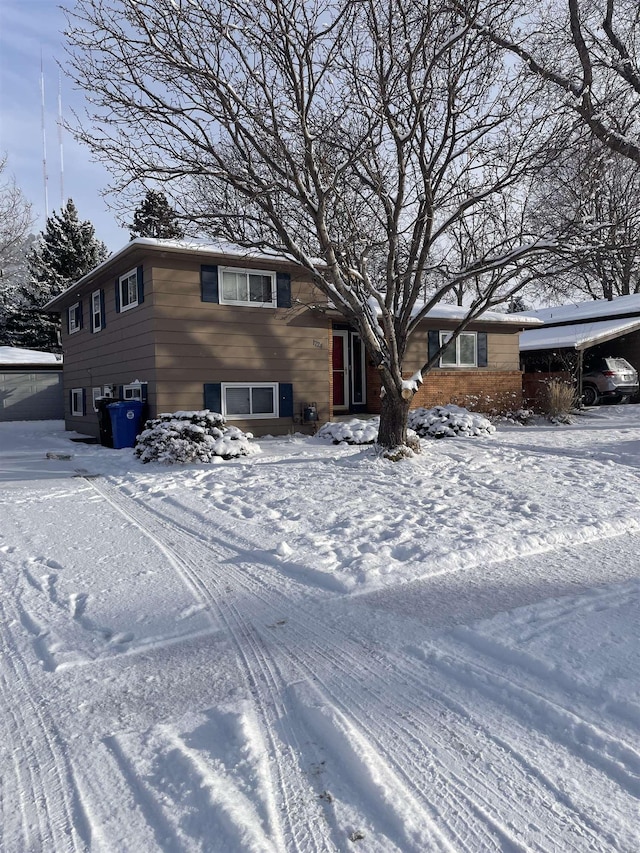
(480, 390)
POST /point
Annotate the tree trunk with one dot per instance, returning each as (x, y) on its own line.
(393, 421)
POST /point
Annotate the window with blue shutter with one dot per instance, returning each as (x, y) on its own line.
(483, 358)
(461, 351)
(140, 283)
(286, 400)
(433, 343)
(129, 289)
(283, 290)
(209, 284)
(213, 396)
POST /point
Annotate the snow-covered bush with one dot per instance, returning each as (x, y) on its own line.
(351, 432)
(191, 437)
(520, 417)
(448, 421)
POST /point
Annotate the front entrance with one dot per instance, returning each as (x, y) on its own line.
(349, 372)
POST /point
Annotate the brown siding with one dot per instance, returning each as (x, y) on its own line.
(202, 342)
(118, 354)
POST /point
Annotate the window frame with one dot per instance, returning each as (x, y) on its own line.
(73, 319)
(96, 327)
(133, 273)
(224, 386)
(95, 396)
(133, 386)
(247, 303)
(77, 394)
(444, 339)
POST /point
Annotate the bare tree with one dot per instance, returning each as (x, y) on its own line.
(15, 220)
(585, 50)
(357, 138)
(15, 224)
(594, 194)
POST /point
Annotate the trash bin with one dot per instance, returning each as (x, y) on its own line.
(104, 421)
(125, 422)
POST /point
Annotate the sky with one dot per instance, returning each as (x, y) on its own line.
(29, 29)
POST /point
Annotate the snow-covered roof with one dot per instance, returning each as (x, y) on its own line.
(578, 336)
(188, 246)
(457, 312)
(15, 355)
(591, 309)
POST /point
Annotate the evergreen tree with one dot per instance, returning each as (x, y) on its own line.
(154, 217)
(65, 251)
(517, 305)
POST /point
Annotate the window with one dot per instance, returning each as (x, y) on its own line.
(459, 353)
(128, 288)
(259, 400)
(75, 318)
(77, 401)
(96, 394)
(248, 287)
(96, 310)
(133, 391)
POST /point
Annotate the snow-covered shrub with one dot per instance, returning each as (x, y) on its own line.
(351, 432)
(191, 437)
(448, 421)
(518, 416)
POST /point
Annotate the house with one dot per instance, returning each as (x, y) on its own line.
(573, 334)
(184, 325)
(30, 385)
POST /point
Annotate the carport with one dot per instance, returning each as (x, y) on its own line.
(555, 350)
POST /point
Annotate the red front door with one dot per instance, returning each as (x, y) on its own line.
(340, 374)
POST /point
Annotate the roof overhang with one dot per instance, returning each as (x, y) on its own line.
(142, 246)
(577, 337)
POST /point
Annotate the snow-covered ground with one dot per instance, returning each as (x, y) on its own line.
(313, 649)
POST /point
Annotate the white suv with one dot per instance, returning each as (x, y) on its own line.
(611, 380)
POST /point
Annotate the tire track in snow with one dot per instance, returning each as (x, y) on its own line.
(586, 738)
(481, 811)
(298, 822)
(52, 816)
(477, 806)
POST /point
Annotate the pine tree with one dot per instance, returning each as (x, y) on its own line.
(65, 251)
(154, 217)
(517, 305)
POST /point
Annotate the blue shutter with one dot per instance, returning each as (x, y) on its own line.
(140, 275)
(283, 290)
(79, 317)
(118, 295)
(434, 343)
(120, 392)
(286, 400)
(67, 313)
(143, 392)
(103, 310)
(481, 340)
(209, 284)
(84, 401)
(213, 396)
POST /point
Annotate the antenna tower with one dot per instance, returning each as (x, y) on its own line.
(45, 176)
(60, 140)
